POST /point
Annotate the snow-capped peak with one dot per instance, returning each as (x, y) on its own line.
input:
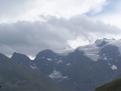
(102, 42)
(92, 50)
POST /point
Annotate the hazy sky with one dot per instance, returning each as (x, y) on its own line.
(29, 26)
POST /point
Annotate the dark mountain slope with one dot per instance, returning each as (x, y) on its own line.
(15, 77)
(112, 86)
(80, 69)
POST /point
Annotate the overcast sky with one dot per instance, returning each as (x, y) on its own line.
(29, 26)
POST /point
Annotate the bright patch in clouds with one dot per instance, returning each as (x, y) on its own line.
(67, 8)
(77, 42)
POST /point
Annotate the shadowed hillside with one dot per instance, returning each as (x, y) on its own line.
(16, 77)
(112, 86)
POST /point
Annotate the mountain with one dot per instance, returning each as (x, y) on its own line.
(82, 69)
(20, 59)
(112, 86)
(16, 77)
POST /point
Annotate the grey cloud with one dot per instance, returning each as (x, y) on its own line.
(31, 37)
(84, 24)
(12, 8)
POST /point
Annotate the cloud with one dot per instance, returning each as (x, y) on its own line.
(29, 10)
(70, 7)
(13, 9)
(54, 33)
(110, 14)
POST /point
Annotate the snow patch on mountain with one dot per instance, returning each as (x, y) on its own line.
(114, 67)
(68, 64)
(49, 59)
(91, 51)
(105, 58)
(33, 66)
(57, 75)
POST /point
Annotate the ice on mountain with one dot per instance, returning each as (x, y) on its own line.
(68, 64)
(49, 59)
(33, 66)
(91, 51)
(57, 75)
(105, 58)
(114, 67)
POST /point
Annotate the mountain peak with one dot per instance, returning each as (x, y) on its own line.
(2, 56)
(46, 52)
(15, 54)
(104, 41)
(20, 57)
